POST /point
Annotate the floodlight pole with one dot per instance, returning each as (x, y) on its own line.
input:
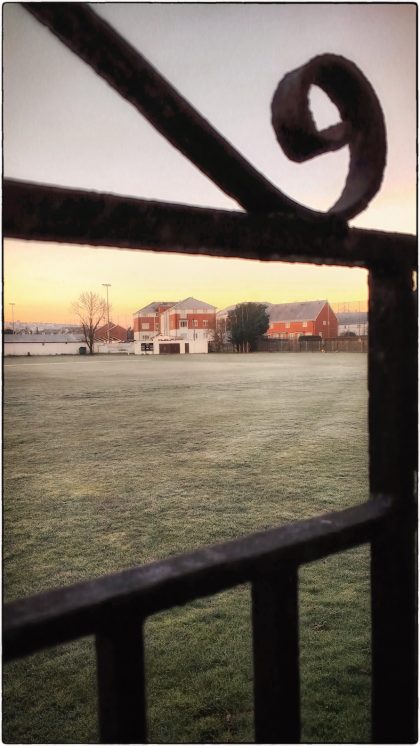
(107, 285)
(13, 316)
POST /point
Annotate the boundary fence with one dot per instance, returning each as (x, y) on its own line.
(336, 344)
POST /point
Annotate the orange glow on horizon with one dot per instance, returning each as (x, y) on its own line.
(64, 126)
(43, 280)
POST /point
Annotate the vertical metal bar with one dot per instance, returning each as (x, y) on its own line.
(121, 687)
(393, 450)
(276, 657)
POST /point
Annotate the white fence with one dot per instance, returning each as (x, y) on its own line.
(114, 348)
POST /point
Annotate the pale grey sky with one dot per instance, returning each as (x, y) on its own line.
(64, 125)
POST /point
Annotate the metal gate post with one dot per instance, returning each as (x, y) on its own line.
(393, 436)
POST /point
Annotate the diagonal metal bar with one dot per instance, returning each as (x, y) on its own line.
(44, 213)
(134, 78)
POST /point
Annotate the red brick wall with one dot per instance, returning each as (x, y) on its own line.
(294, 327)
(201, 317)
(139, 320)
(175, 319)
(330, 327)
(161, 309)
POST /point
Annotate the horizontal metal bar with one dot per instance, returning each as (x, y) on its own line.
(45, 213)
(275, 633)
(66, 613)
(134, 78)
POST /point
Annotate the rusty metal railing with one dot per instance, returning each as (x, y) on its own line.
(274, 228)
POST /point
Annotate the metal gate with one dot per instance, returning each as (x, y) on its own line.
(274, 228)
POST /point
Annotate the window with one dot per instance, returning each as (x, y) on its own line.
(324, 323)
(287, 326)
(304, 324)
(195, 323)
(144, 325)
(183, 323)
(205, 322)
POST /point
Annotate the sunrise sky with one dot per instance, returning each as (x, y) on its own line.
(63, 125)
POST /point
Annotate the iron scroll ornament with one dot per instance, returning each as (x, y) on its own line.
(135, 79)
(362, 127)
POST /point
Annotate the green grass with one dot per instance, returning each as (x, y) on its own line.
(111, 462)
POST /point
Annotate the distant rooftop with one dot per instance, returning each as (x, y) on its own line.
(191, 304)
(300, 311)
(304, 311)
(152, 307)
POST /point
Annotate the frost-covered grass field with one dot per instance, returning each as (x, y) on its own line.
(115, 461)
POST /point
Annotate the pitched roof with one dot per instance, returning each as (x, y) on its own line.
(115, 332)
(305, 311)
(192, 304)
(111, 326)
(152, 307)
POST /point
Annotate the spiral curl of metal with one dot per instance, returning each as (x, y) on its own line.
(362, 127)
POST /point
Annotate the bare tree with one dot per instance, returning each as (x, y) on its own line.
(91, 310)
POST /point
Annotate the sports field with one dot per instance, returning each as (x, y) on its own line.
(115, 461)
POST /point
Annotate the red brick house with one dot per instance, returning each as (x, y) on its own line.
(292, 320)
(188, 321)
(147, 321)
(116, 333)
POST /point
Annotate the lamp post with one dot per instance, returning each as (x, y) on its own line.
(107, 285)
(13, 316)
